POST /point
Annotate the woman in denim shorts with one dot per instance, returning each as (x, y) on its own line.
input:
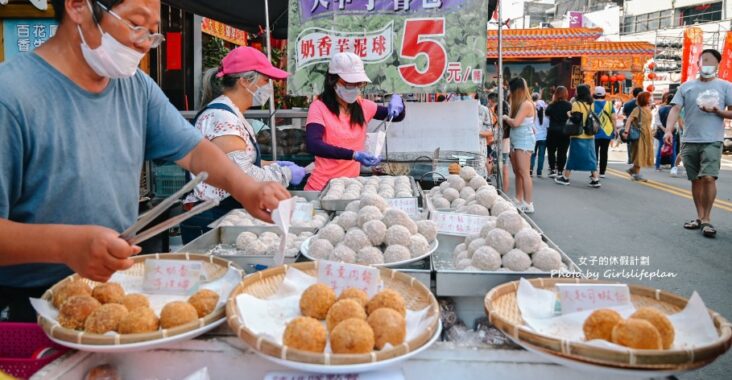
(523, 141)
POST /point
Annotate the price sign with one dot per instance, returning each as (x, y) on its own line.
(580, 297)
(303, 213)
(172, 276)
(451, 223)
(340, 276)
(407, 46)
(408, 205)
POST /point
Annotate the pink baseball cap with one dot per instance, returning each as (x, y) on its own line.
(245, 58)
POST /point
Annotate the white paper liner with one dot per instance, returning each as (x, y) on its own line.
(693, 325)
(268, 318)
(132, 283)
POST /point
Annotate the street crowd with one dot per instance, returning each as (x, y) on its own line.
(685, 131)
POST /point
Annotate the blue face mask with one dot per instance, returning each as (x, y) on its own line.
(348, 95)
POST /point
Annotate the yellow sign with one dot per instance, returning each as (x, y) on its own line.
(223, 31)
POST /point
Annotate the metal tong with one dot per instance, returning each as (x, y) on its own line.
(130, 234)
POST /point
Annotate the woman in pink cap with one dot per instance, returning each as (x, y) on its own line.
(242, 81)
(337, 121)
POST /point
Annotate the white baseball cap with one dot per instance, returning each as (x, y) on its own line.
(600, 91)
(349, 67)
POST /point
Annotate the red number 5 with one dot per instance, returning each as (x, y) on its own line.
(414, 44)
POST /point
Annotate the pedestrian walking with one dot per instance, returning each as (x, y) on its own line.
(582, 154)
(704, 101)
(665, 150)
(557, 142)
(540, 129)
(523, 140)
(628, 107)
(641, 148)
(606, 113)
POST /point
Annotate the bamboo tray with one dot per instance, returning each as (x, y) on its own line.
(112, 342)
(503, 312)
(265, 283)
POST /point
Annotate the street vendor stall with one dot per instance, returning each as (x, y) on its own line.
(569, 57)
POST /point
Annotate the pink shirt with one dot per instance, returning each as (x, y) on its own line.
(338, 132)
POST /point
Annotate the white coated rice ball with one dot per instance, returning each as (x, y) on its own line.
(454, 181)
(395, 216)
(486, 258)
(477, 182)
(396, 253)
(244, 239)
(428, 229)
(474, 245)
(501, 240)
(547, 260)
(320, 249)
(528, 240)
(463, 264)
(353, 206)
(256, 248)
(347, 219)
(440, 203)
(356, 239)
(418, 245)
(374, 200)
(459, 248)
(511, 222)
(445, 185)
(457, 203)
(343, 253)
(332, 232)
(434, 191)
(500, 207)
(368, 213)
(516, 260)
(467, 173)
(476, 210)
(369, 256)
(486, 197)
(376, 231)
(451, 194)
(491, 224)
(397, 235)
(462, 255)
(466, 193)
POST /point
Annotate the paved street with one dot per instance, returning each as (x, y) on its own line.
(626, 218)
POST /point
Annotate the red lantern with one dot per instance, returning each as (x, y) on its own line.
(652, 65)
(621, 77)
(604, 79)
(651, 88)
(613, 79)
(652, 76)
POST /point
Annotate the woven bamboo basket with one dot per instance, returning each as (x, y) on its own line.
(504, 314)
(215, 267)
(265, 283)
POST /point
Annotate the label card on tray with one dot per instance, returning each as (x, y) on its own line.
(451, 223)
(172, 276)
(303, 213)
(580, 297)
(408, 205)
(340, 276)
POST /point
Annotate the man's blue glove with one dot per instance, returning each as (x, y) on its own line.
(396, 106)
(366, 159)
(298, 174)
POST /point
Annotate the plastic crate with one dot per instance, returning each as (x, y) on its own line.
(169, 178)
(25, 349)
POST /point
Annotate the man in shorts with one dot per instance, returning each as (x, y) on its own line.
(704, 101)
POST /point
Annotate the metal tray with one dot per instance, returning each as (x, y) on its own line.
(457, 283)
(309, 196)
(304, 249)
(340, 204)
(227, 235)
(270, 227)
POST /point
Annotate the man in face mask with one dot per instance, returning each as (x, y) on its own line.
(704, 101)
(77, 120)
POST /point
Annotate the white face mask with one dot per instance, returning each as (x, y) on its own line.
(111, 59)
(262, 95)
(708, 71)
(348, 95)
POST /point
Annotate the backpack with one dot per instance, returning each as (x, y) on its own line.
(592, 123)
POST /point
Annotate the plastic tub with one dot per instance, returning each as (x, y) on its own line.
(24, 349)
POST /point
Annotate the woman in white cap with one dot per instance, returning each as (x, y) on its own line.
(240, 82)
(337, 121)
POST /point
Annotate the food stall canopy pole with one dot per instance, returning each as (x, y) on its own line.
(499, 72)
(272, 126)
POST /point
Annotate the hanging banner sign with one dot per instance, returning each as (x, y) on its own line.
(693, 46)
(725, 67)
(22, 36)
(408, 46)
(223, 31)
